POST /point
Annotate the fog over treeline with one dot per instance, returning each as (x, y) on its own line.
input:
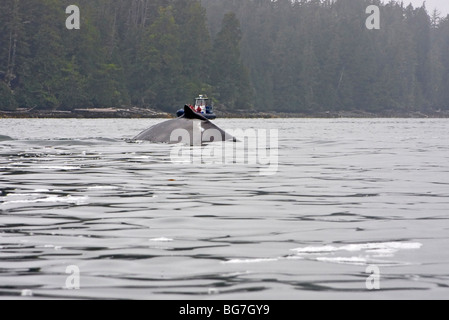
(290, 56)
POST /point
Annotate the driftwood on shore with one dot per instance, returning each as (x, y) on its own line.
(89, 113)
(338, 114)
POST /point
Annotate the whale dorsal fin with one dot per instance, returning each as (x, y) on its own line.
(190, 114)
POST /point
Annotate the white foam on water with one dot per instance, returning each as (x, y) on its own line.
(40, 190)
(50, 199)
(312, 250)
(235, 274)
(390, 247)
(213, 291)
(102, 188)
(367, 250)
(319, 253)
(12, 195)
(358, 261)
(233, 261)
(26, 293)
(382, 253)
(161, 240)
(52, 246)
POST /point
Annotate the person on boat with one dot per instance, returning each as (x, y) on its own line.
(191, 107)
(199, 109)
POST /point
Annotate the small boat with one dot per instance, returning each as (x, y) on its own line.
(203, 105)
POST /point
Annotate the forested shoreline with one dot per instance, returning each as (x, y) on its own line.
(301, 57)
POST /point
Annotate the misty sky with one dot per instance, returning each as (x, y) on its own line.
(441, 5)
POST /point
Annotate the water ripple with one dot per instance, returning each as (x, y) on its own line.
(348, 194)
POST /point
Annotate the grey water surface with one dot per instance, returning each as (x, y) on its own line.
(348, 194)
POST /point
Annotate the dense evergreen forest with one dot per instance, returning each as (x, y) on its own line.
(290, 56)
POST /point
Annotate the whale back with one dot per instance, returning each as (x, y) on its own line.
(193, 124)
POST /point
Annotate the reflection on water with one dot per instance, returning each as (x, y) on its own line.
(348, 194)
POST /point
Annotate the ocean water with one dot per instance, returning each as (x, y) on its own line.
(349, 196)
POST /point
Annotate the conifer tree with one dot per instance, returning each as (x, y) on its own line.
(229, 75)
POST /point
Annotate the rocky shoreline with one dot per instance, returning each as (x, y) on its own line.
(92, 113)
(138, 113)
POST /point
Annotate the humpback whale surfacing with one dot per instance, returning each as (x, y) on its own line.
(192, 128)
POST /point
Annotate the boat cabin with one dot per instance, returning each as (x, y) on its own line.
(203, 104)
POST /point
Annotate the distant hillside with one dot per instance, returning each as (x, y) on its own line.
(304, 57)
